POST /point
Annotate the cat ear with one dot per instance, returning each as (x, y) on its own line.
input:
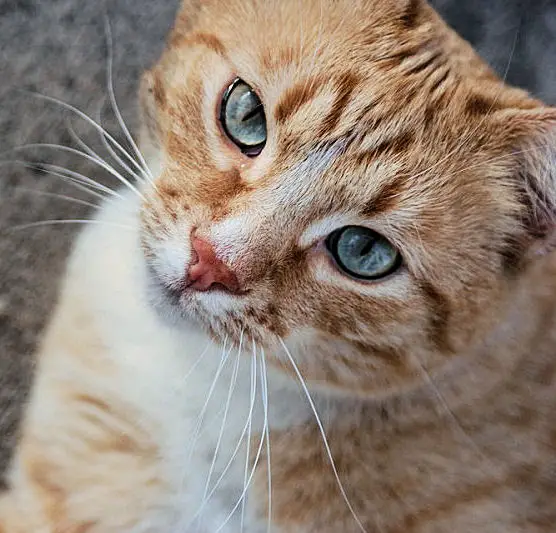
(151, 98)
(531, 135)
(186, 17)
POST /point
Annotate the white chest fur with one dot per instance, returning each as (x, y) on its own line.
(203, 403)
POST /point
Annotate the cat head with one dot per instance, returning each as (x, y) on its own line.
(348, 177)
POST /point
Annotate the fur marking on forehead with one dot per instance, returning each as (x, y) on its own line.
(299, 184)
(292, 194)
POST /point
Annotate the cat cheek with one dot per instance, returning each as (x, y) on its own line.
(171, 260)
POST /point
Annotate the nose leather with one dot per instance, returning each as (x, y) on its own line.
(208, 271)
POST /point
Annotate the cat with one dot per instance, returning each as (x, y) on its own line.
(329, 305)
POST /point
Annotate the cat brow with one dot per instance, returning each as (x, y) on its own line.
(208, 40)
(387, 197)
(342, 86)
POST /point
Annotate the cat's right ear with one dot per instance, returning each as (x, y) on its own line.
(531, 135)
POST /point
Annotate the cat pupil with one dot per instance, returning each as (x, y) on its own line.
(366, 248)
(252, 113)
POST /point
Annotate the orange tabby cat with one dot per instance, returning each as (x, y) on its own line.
(329, 306)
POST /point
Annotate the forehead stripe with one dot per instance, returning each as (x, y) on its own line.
(295, 97)
(346, 86)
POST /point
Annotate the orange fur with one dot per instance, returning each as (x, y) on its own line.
(436, 384)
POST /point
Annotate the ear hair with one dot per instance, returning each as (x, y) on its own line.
(535, 148)
(150, 132)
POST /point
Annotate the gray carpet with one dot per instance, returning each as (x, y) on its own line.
(57, 47)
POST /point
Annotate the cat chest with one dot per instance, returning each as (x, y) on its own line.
(218, 442)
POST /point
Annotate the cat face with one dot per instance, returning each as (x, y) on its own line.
(348, 177)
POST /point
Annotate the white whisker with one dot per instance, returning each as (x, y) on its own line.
(87, 149)
(57, 196)
(143, 167)
(90, 121)
(231, 389)
(249, 479)
(249, 424)
(77, 180)
(65, 221)
(80, 142)
(77, 177)
(87, 156)
(117, 158)
(195, 364)
(324, 439)
(264, 378)
(245, 431)
(202, 413)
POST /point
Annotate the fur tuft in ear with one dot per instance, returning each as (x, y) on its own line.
(532, 134)
(151, 100)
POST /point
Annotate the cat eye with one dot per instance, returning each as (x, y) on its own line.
(243, 119)
(363, 253)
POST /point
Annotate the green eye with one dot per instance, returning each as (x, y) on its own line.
(243, 119)
(362, 253)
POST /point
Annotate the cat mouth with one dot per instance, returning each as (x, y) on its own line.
(191, 290)
(190, 300)
(216, 310)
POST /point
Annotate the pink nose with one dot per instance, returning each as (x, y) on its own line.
(208, 270)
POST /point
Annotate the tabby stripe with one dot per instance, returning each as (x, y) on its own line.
(477, 105)
(400, 56)
(103, 417)
(395, 145)
(439, 315)
(440, 80)
(410, 17)
(158, 91)
(389, 356)
(523, 475)
(295, 97)
(346, 85)
(512, 255)
(388, 196)
(425, 64)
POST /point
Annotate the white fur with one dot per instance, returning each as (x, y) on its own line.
(172, 253)
(320, 229)
(156, 369)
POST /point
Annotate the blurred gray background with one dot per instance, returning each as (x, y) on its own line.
(57, 47)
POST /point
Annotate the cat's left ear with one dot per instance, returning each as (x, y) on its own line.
(186, 18)
(530, 134)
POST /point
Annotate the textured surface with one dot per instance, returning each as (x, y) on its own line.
(58, 48)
